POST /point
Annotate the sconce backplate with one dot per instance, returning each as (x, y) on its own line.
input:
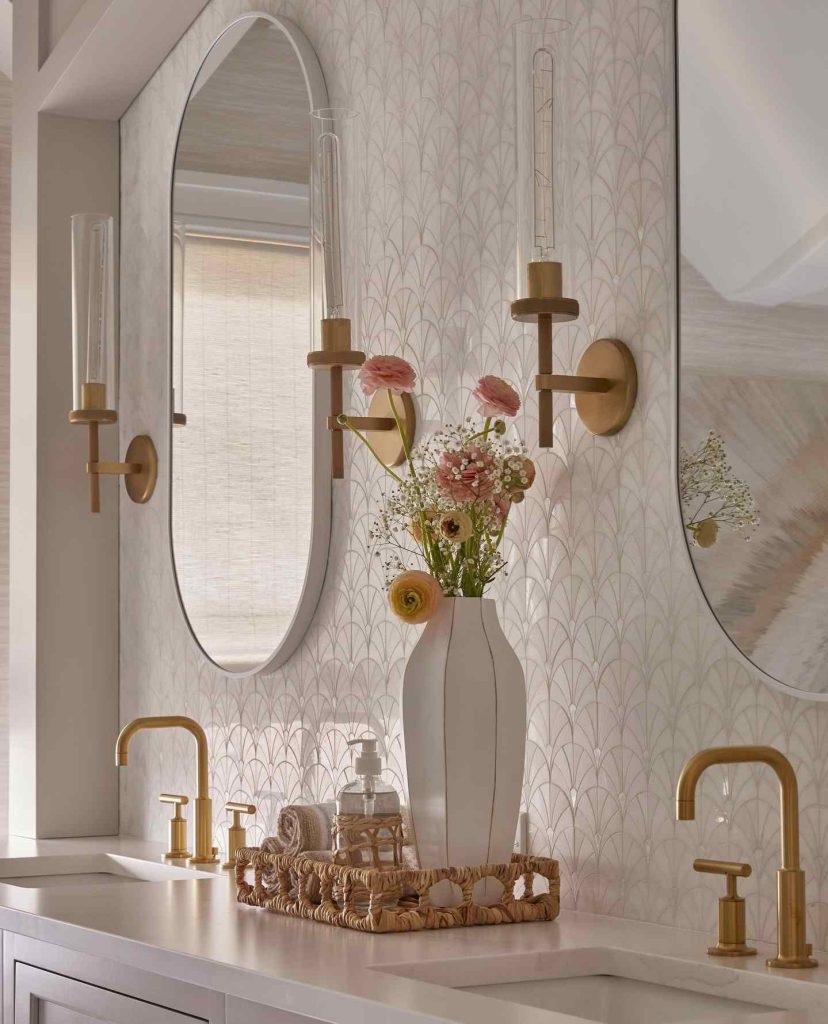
(387, 443)
(606, 413)
(141, 485)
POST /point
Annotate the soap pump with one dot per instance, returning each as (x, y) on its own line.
(369, 794)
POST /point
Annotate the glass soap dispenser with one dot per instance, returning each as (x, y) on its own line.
(369, 795)
(368, 828)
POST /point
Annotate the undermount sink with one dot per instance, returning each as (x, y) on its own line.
(90, 869)
(610, 999)
(618, 986)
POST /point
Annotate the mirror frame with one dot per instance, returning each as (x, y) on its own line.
(674, 207)
(321, 493)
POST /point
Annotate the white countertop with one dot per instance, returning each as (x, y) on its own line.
(194, 931)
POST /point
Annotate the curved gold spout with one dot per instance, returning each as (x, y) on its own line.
(793, 950)
(204, 853)
(789, 792)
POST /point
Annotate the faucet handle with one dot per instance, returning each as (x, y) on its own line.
(732, 868)
(178, 826)
(236, 833)
(731, 907)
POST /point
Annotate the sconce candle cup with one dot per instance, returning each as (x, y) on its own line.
(94, 358)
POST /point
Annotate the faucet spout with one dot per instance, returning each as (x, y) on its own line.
(204, 852)
(789, 792)
(793, 950)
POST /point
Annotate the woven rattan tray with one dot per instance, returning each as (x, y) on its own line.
(370, 900)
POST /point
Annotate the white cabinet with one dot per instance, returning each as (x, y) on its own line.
(47, 984)
(41, 997)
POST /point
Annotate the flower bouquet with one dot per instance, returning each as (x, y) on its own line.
(451, 508)
(464, 698)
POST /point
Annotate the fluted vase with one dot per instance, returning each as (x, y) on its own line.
(464, 725)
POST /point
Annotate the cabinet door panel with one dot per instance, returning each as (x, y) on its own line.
(41, 997)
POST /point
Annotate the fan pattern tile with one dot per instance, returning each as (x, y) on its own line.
(627, 672)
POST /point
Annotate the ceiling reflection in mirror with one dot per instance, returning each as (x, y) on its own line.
(753, 324)
(243, 494)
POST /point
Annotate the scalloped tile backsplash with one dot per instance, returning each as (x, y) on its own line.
(627, 671)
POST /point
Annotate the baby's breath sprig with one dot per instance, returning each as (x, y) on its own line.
(711, 495)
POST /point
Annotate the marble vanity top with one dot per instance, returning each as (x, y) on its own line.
(194, 931)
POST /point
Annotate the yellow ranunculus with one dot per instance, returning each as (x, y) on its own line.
(414, 595)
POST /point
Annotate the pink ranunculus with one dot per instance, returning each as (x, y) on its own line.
(465, 475)
(388, 373)
(496, 398)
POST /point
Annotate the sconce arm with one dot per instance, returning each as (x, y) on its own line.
(573, 385)
(363, 423)
(114, 468)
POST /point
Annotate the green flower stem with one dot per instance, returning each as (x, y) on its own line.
(403, 437)
(370, 447)
(484, 432)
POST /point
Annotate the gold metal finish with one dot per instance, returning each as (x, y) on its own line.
(606, 382)
(329, 360)
(386, 442)
(335, 356)
(553, 310)
(731, 908)
(84, 416)
(237, 833)
(336, 334)
(793, 951)
(544, 279)
(141, 484)
(572, 385)
(204, 852)
(178, 827)
(605, 412)
(140, 467)
(363, 423)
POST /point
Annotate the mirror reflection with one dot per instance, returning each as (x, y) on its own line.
(243, 492)
(753, 324)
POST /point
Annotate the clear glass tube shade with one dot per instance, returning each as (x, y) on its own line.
(542, 140)
(334, 140)
(95, 370)
(179, 253)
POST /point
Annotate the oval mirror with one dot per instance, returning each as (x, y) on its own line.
(753, 325)
(250, 486)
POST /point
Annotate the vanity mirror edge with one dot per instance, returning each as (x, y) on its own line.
(674, 314)
(322, 494)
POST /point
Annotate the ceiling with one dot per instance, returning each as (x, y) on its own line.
(753, 133)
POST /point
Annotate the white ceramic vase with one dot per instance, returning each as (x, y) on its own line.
(464, 725)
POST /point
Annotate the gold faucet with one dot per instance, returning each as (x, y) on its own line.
(793, 950)
(204, 852)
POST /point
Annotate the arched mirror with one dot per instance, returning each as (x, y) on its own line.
(250, 487)
(753, 325)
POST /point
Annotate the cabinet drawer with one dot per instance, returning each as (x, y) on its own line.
(41, 997)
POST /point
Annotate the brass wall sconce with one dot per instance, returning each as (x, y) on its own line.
(379, 425)
(333, 131)
(605, 384)
(94, 359)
